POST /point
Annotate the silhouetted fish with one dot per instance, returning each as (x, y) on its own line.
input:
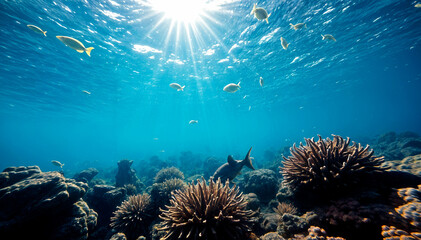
(232, 168)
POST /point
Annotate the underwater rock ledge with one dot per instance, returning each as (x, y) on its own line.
(45, 204)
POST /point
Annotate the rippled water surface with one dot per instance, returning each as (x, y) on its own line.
(56, 103)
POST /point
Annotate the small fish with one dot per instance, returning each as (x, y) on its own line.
(418, 5)
(232, 87)
(232, 168)
(155, 139)
(284, 43)
(298, 26)
(193, 121)
(177, 86)
(249, 108)
(75, 44)
(260, 13)
(57, 163)
(37, 29)
(328, 37)
(89, 93)
(261, 81)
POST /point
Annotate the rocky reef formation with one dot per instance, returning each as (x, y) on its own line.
(126, 175)
(262, 182)
(397, 146)
(43, 205)
(411, 164)
(161, 192)
(86, 175)
(202, 211)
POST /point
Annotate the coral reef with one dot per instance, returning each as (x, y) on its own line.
(86, 175)
(292, 224)
(253, 202)
(397, 146)
(284, 207)
(411, 210)
(45, 204)
(130, 189)
(262, 182)
(104, 199)
(327, 165)
(161, 192)
(133, 216)
(392, 233)
(268, 222)
(202, 211)
(271, 236)
(168, 173)
(118, 236)
(126, 175)
(411, 164)
(317, 233)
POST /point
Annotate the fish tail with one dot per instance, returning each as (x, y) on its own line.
(254, 8)
(247, 160)
(88, 51)
(239, 84)
(45, 33)
(323, 37)
(182, 88)
(267, 21)
(305, 25)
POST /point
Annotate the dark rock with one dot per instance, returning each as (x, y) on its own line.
(253, 202)
(397, 146)
(104, 199)
(262, 182)
(46, 205)
(269, 222)
(86, 175)
(126, 175)
(13, 175)
(292, 224)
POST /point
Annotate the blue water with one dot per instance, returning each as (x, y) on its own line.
(366, 83)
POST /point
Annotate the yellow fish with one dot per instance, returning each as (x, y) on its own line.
(298, 26)
(418, 5)
(75, 44)
(37, 29)
(284, 43)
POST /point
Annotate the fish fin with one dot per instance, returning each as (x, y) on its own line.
(88, 51)
(254, 8)
(267, 21)
(287, 46)
(182, 88)
(305, 25)
(45, 33)
(323, 37)
(230, 160)
(292, 25)
(80, 51)
(247, 160)
(238, 84)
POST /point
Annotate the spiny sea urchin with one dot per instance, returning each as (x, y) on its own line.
(328, 164)
(202, 211)
(132, 216)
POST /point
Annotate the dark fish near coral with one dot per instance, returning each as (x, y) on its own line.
(232, 168)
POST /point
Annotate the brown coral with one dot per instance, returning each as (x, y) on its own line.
(132, 216)
(411, 211)
(392, 233)
(285, 208)
(167, 174)
(202, 211)
(328, 164)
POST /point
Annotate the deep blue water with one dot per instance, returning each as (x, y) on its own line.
(366, 83)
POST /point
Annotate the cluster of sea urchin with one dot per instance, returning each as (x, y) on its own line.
(328, 164)
(132, 216)
(202, 211)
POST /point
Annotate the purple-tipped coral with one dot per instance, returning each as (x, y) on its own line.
(328, 164)
(132, 216)
(202, 211)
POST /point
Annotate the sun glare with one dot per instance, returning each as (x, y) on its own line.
(187, 11)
